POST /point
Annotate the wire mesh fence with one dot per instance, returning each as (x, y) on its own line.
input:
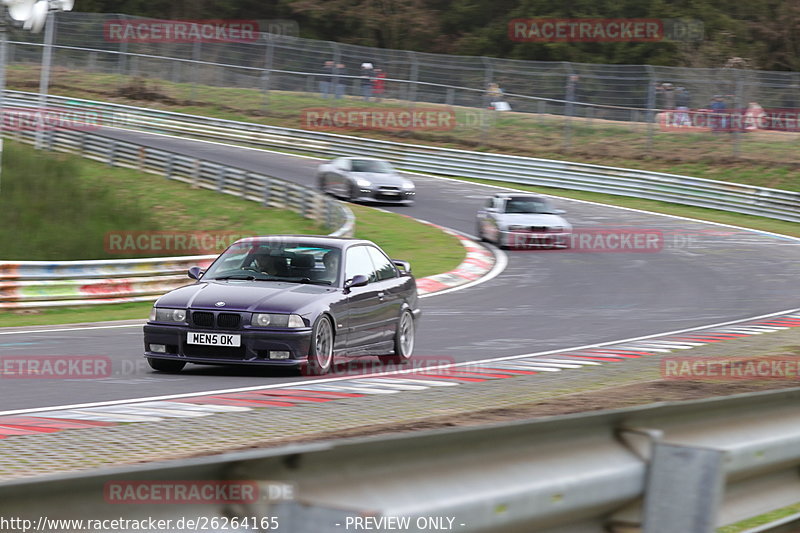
(572, 99)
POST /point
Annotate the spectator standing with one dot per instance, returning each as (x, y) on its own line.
(338, 71)
(367, 79)
(719, 119)
(682, 101)
(326, 82)
(665, 93)
(494, 94)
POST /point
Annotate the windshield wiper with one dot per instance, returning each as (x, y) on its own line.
(237, 276)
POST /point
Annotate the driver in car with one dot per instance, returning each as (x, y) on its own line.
(272, 265)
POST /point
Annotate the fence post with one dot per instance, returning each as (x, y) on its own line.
(651, 104)
(221, 178)
(196, 51)
(267, 77)
(412, 85)
(487, 79)
(738, 107)
(170, 164)
(266, 192)
(568, 110)
(123, 58)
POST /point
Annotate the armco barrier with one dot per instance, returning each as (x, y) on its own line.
(33, 284)
(725, 196)
(685, 467)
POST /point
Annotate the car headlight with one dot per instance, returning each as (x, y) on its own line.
(361, 182)
(277, 320)
(408, 186)
(159, 314)
(556, 228)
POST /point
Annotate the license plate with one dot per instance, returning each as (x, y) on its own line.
(390, 193)
(214, 339)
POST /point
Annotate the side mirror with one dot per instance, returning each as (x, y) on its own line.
(359, 280)
(403, 266)
(195, 272)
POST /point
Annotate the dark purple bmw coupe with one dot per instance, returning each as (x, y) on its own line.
(287, 300)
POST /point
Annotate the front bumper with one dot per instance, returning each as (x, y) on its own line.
(379, 194)
(256, 345)
(534, 239)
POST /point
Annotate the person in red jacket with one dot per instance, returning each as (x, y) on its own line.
(378, 84)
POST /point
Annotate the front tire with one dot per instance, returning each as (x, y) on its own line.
(353, 193)
(320, 353)
(403, 341)
(479, 231)
(168, 366)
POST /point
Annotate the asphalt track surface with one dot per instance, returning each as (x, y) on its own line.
(544, 299)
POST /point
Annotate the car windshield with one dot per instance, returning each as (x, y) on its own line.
(371, 165)
(277, 261)
(528, 205)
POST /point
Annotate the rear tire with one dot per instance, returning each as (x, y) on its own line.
(403, 341)
(320, 353)
(168, 366)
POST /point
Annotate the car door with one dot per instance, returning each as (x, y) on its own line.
(363, 324)
(390, 292)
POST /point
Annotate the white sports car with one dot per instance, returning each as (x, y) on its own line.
(519, 220)
(363, 178)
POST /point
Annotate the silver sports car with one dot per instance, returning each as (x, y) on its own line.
(519, 220)
(362, 178)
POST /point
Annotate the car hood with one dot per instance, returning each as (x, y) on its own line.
(254, 296)
(533, 219)
(380, 178)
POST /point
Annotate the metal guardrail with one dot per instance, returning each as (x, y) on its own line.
(30, 284)
(683, 467)
(686, 190)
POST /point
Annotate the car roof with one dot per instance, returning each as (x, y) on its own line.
(319, 240)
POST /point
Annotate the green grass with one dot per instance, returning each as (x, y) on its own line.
(65, 206)
(760, 520)
(74, 315)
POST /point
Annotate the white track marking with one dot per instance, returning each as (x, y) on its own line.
(331, 383)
